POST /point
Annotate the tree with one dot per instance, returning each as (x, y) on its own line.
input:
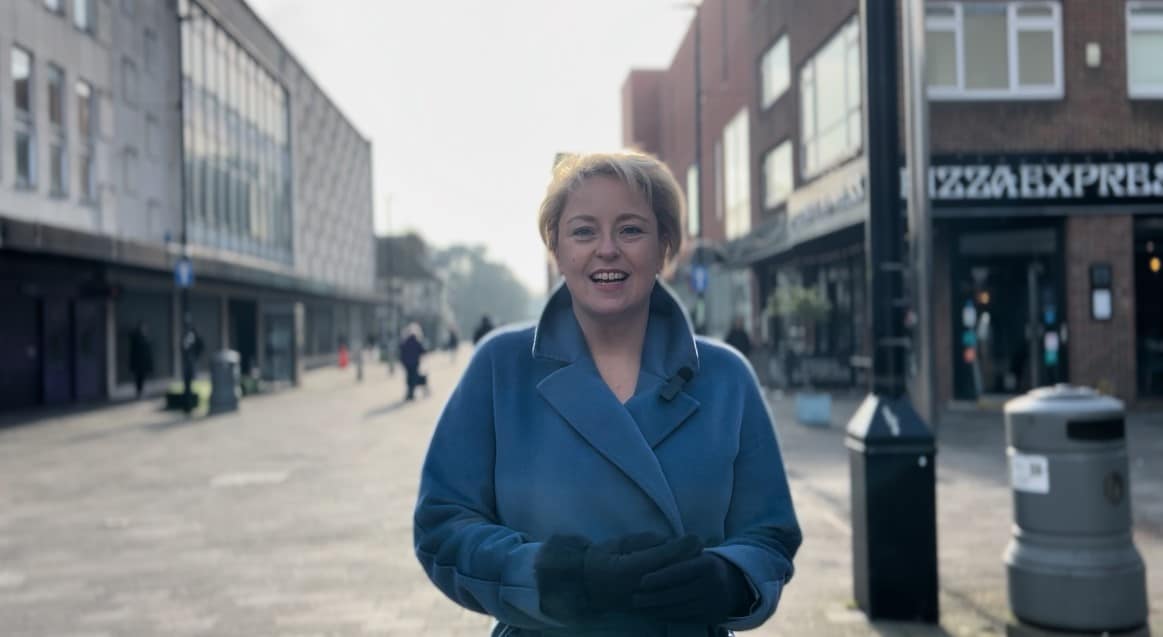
(477, 286)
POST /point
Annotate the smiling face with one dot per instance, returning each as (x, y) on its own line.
(608, 249)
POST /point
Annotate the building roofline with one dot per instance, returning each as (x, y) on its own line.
(286, 50)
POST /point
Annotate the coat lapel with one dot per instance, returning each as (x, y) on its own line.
(658, 418)
(577, 392)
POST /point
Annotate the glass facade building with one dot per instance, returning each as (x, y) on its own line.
(237, 144)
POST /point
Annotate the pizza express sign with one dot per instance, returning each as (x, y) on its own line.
(1044, 179)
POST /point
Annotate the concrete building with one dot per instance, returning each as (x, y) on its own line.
(1046, 186)
(109, 111)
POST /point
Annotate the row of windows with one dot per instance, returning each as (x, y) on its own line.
(974, 50)
(56, 99)
(84, 12)
(236, 128)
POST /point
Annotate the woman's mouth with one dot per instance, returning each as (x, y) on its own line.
(609, 277)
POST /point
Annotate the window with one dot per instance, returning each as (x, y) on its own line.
(994, 50)
(737, 160)
(56, 96)
(86, 174)
(56, 6)
(694, 222)
(129, 169)
(129, 81)
(831, 124)
(777, 175)
(58, 177)
(22, 82)
(1145, 49)
(86, 107)
(25, 159)
(151, 51)
(84, 15)
(152, 136)
(775, 72)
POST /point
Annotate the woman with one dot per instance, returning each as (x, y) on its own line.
(605, 472)
(411, 350)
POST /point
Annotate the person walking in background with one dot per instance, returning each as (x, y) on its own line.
(737, 337)
(453, 342)
(140, 356)
(411, 351)
(192, 346)
(483, 328)
(607, 472)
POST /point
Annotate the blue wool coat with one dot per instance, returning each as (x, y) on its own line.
(532, 442)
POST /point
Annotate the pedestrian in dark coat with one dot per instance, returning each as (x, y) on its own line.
(411, 351)
(140, 356)
(607, 472)
(483, 328)
(737, 337)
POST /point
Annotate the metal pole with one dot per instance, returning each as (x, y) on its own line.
(891, 450)
(920, 218)
(885, 231)
(701, 304)
(184, 291)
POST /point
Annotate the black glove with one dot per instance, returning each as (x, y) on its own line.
(706, 589)
(578, 579)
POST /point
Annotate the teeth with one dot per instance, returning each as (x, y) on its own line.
(609, 276)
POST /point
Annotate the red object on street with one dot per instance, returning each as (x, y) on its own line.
(342, 357)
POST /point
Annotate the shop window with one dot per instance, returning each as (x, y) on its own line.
(994, 51)
(1145, 49)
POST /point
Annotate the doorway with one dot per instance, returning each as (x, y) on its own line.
(1008, 312)
(1148, 265)
(244, 333)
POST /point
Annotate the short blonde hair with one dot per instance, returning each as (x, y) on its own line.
(641, 172)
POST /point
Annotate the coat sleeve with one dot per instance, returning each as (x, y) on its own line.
(472, 558)
(761, 531)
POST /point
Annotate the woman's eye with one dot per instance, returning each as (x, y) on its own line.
(582, 232)
(632, 230)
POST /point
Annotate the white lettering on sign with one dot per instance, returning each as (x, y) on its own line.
(1029, 473)
(1032, 181)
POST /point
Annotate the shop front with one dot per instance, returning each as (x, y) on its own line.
(1039, 294)
(818, 255)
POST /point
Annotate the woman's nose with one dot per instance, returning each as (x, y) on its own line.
(607, 247)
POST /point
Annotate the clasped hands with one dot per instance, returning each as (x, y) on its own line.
(670, 580)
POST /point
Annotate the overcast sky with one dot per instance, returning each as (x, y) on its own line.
(467, 101)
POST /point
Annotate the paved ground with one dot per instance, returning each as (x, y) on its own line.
(293, 517)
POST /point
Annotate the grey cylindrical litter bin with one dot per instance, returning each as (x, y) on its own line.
(224, 381)
(1071, 563)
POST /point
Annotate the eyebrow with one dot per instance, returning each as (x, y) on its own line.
(591, 218)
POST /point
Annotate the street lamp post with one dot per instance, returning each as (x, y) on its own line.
(699, 280)
(183, 290)
(891, 449)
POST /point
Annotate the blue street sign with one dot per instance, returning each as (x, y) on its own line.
(184, 273)
(699, 278)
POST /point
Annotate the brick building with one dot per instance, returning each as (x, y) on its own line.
(659, 117)
(1046, 180)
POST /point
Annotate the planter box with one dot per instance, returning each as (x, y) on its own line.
(814, 409)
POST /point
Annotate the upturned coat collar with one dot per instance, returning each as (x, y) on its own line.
(626, 434)
(669, 344)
